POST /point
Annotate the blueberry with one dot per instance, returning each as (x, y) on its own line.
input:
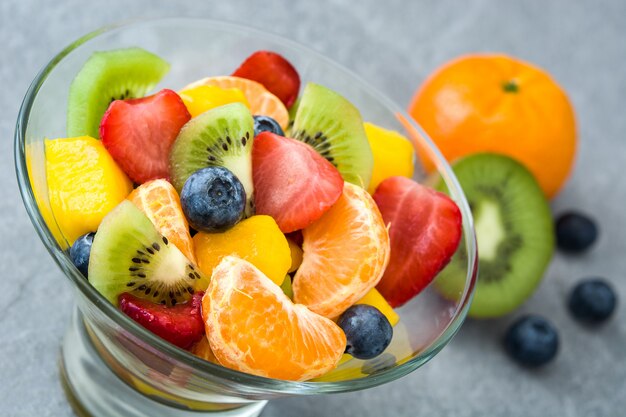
(532, 341)
(575, 232)
(79, 252)
(367, 330)
(267, 124)
(213, 199)
(592, 301)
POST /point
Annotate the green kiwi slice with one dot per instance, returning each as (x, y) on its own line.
(334, 127)
(129, 255)
(514, 230)
(293, 110)
(286, 287)
(223, 137)
(107, 76)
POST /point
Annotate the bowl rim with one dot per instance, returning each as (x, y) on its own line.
(205, 368)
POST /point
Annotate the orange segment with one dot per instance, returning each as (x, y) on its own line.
(346, 252)
(253, 327)
(260, 99)
(158, 200)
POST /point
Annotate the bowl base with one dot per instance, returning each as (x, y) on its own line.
(93, 390)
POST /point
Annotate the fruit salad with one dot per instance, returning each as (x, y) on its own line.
(260, 226)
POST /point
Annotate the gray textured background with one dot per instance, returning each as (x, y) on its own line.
(582, 43)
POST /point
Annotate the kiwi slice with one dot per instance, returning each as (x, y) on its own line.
(293, 110)
(286, 287)
(334, 127)
(514, 231)
(107, 76)
(222, 137)
(129, 255)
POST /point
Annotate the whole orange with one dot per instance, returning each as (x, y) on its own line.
(496, 103)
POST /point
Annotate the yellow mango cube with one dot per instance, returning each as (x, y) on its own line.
(206, 97)
(375, 299)
(393, 155)
(257, 239)
(84, 184)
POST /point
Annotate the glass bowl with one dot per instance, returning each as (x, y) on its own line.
(111, 366)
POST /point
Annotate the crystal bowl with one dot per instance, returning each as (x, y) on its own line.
(111, 366)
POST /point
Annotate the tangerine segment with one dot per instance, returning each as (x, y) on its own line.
(253, 327)
(158, 200)
(346, 252)
(260, 99)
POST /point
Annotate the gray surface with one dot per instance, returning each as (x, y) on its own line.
(582, 43)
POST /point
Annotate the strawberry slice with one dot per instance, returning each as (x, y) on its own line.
(425, 231)
(292, 182)
(274, 72)
(139, 133)
(181, 325)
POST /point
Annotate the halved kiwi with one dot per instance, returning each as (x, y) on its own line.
(107, 76)
(222, 137)
(514, 230)
(129, 255)
(334, 127)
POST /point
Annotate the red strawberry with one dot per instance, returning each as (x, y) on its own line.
(181, 325)
(139, 133)
(274, 72)
(425, 231)
(292, 182)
